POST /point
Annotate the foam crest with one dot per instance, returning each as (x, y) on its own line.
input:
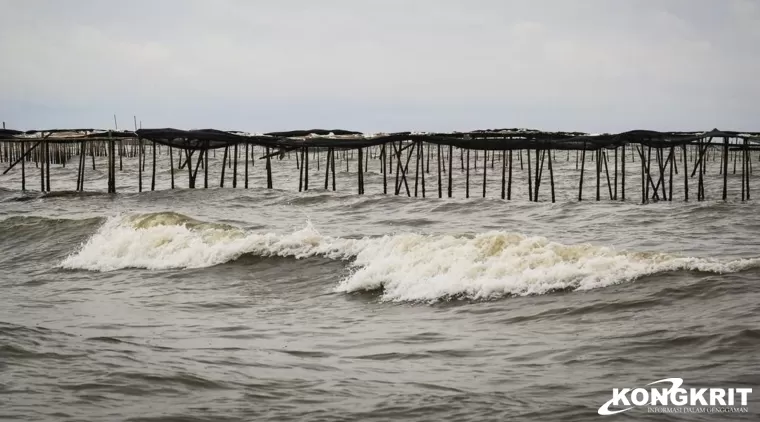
(413, 267)
(405, 267)
(173, 241)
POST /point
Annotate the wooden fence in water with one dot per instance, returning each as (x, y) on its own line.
(661, 156)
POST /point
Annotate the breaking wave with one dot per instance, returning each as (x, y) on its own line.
(405, 267)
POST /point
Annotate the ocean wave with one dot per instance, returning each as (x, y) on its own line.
(404, 267)
(168, 240)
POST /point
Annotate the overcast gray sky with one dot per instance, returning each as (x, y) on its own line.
(382, 65)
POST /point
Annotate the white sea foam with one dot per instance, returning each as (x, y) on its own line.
(406, 267)
(496, 264)
(173, 241)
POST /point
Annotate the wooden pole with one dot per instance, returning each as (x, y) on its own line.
(451, 156)
(607, 173)
(551, 175)
(736, 154)
(647, 167)
(725, 168)
(171, 165)
(661, 167)
(748, 165)
(698, 167)
(422, 176)
(417, 167)
(306, 169)
(23, 165)
(598, 172)
(332, 167)
(42, 167)
(189, 164)
(139, 164)
(440, 184)
(427, 170)
(509, 180)
(744, 165)
(485, 165)
(47, 166)
(109, 176)
(224, 165)
(643, 171)
(153, 177)
(467, 185)
(390, 157)
(234, 166)
(112, 164)
(202, 154)
(622, 174)
(80, 169)
(503, 174)
(537, 176)
(530, 181)
(397, 152)
(361, 163)
(327, 168)
(672, 159)
(205, 166)
(384, 161)
(616, 174)
(685, 175)
(583, 165)
(268, 169)
(300, 169)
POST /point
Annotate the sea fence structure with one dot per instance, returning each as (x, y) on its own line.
(662, 159)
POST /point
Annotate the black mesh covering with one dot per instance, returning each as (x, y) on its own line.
(488, 139)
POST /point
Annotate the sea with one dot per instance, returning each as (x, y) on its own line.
(256, 304)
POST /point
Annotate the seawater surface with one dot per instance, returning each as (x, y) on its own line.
(243, 305)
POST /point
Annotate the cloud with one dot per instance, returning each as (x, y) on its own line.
(382, 65)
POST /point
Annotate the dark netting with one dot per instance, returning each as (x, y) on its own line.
(487, 139)
(9, 133)
(294, 133)
(113, 134)
(192, 139)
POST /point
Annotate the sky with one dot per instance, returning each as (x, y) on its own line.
(381, 65)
